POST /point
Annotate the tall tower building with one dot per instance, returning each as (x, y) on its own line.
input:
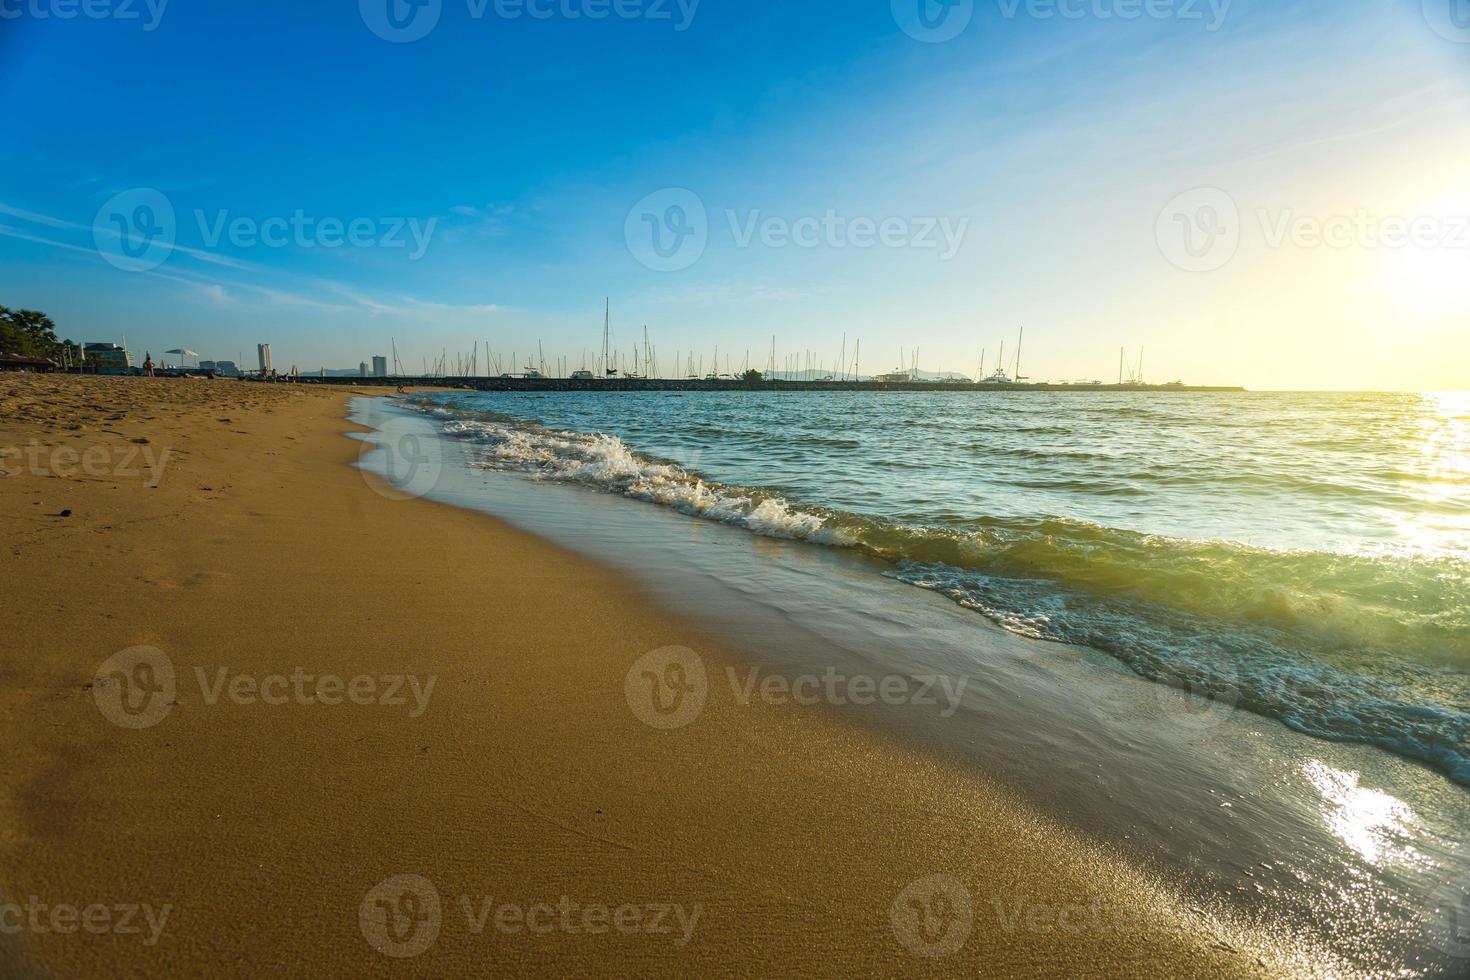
(264, 350)
(380, 367)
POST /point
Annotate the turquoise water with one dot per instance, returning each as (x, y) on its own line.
(1304, 556)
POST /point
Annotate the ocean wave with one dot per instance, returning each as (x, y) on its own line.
(606, 463)
(1268, 671)
(1372, 649)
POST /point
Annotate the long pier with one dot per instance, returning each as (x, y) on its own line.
(738, 384)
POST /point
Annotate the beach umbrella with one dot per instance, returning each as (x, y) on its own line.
(183, 352)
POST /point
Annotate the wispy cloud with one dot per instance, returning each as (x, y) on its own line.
(52, 222)
(408, 306)
(488, 210)
(34, 218)
(228, 292)
(216, 292)
(428, 306)
(211, 290)
(709, 294)
(296, 299)
(27, 237)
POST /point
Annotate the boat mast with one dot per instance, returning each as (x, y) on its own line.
(609, 360)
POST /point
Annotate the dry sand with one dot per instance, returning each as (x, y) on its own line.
(527, 779)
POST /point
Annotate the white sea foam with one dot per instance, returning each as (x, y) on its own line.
(606, 463)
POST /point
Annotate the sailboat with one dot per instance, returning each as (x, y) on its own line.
(642, 360)
(607, 364)
(999, 377)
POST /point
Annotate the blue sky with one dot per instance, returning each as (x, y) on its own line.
(1023, 169)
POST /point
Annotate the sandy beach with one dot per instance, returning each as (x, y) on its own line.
(264, 716)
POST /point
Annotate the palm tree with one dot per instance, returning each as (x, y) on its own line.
(10, 336)
(29, 333)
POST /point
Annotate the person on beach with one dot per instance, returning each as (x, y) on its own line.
(148, 364)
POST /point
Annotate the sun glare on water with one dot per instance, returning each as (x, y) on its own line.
(1439, 477)
(1372, 823)
(1446, 447)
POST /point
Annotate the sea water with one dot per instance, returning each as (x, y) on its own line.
(1303, 556)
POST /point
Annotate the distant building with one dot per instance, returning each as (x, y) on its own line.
(362, 369)
(227, 369)
(380, 367)
(109, 358)
(264, 350)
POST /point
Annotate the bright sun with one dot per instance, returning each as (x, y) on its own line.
(1433, 279)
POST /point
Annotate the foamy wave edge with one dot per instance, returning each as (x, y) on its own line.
(606, 463)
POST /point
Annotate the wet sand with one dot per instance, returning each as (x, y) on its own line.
(486, 739)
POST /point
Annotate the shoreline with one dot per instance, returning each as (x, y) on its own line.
(1239, 811)
(527, 777)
